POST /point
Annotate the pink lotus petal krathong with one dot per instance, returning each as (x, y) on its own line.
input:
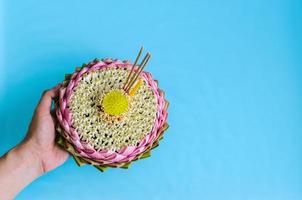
(86, 150)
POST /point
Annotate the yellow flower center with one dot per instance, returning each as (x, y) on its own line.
(115, 103)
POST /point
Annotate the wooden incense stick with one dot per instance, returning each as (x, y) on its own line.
(132, 69)
(135, 72)
(142, 66)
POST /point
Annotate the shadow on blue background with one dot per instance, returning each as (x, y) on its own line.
(231, 70)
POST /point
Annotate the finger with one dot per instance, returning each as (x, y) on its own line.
(46, 100)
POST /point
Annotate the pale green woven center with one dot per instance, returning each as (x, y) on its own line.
(98, 127)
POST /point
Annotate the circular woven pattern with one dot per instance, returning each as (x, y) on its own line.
(100, 129)
(95, 137)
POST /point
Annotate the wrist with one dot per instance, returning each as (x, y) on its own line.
(18, 167)
(27, 158)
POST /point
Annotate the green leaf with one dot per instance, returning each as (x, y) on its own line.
(101, 168)
(67, 76)
(126, 166)
(155, 145)
(79, 161)
(160, 137)
(60, 140)
(146, 155)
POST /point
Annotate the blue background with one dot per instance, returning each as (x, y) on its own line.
(231, 70)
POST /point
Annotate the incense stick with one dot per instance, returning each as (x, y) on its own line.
(135, 72)
(132, 69)
(142, 66)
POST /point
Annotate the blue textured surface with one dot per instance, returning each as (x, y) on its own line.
(231, 70)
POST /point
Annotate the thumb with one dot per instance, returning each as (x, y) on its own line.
(44, 105)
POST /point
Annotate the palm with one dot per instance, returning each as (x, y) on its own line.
(42, 135)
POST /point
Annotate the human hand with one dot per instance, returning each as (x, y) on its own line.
(36, 155)
(40, 139)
